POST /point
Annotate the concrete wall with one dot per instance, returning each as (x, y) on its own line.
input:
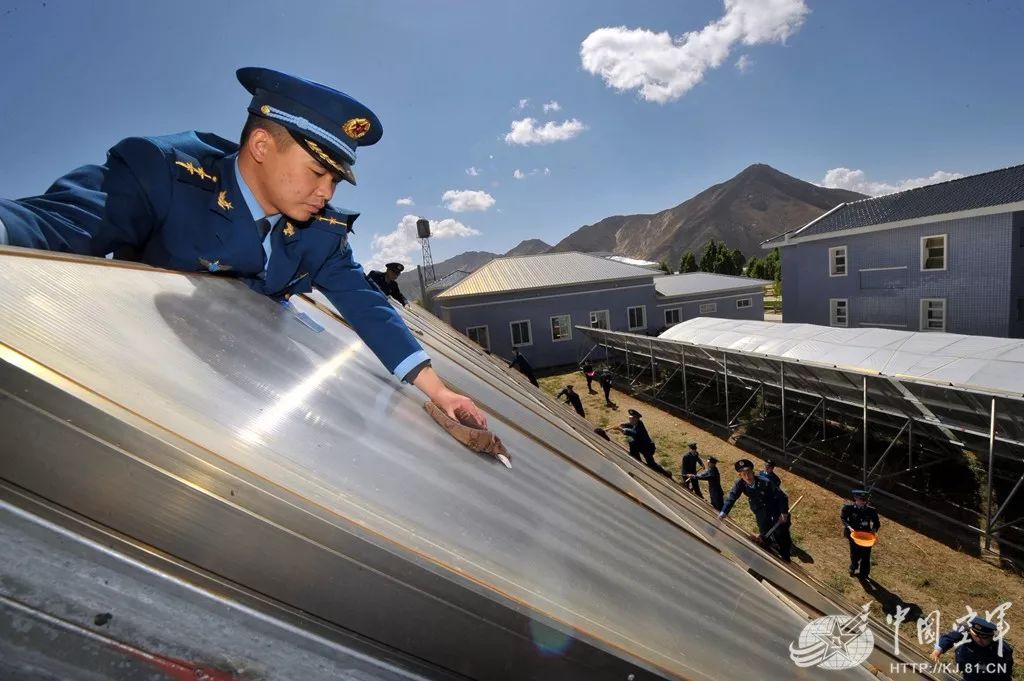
(538, 306)
(884, 283)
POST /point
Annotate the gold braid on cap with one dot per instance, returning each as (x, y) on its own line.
(322, 155)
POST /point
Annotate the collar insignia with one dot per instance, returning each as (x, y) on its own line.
(356, 128)
(222, 201)
(289, 229)
(196, 170)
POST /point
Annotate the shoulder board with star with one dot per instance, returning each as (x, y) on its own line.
(337, 221)
(189, 169)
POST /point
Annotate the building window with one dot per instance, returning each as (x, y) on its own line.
(599, 319)
(479, 335)
(837, 312)
(637, 317)
(561, 328)
(933, 253)
(933, 314)
(837, 261)
(673, 316)
(742, 303)
(521, 334)
(708, 308)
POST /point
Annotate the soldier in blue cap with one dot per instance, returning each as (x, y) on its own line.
(714, 479)
(768, 503)
(257, 211)
(977, 655)
(387, 281)
(859, 517)
(640, 442)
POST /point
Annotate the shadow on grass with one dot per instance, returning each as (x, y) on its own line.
(890, 601)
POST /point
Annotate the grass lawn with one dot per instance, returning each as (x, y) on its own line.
(910, 568)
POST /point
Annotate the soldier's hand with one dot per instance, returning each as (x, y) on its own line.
(784, 517)
(449, 400)
(934, 657)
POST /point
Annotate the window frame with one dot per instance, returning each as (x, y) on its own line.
(945, 254)
(512, 335)
(832, 253)
(643, 312)
(679, 315)
(707, 308)
(833, 317)
(487, 333)
(607, 319)
(551, 326)
(749, 303)
(922, 311)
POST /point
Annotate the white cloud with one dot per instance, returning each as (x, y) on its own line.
(407, 201)
(547, 171)
(552, 106)
(744, 63)
(663, 68)
(518, 174)
(472, 171)
(523, 103)
(857, 181)
(491, 157)
(464, 200)
(526, 131)
(401, 244)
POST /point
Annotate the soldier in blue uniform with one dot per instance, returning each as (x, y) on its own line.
(519, 362)
(640, 443)
(571, 398)
(863, 518)
(257, 211)
(769, 473)
(688, 467)
(387, 281)
(768, 503)
(714, 480)
(978, 656)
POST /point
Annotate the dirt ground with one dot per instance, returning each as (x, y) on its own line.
(909, 569)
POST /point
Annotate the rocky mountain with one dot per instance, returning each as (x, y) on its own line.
(758, 203)
(530, 247)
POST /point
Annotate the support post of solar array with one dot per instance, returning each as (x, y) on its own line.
(991, 470)
(686, 395)
(864, 403)
(782, 392)
(654, 370)
(910, 445)
(725, 381)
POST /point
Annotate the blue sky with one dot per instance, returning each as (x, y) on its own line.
(657, 99)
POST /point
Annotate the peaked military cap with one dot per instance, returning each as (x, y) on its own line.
(327, 123)
(862, 493)
(396, 266)
(634, 412)
(744, 465)
(692, 445)
(712, 459)
(769, 462)
(982, 627)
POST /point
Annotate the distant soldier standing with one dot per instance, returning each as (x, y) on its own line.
(714, 479)
(769, 472)
(688, 468)
(606, 386)
(859, 517)
(519, 362)
(588, 372)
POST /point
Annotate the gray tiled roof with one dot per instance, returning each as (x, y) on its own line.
(697, 283)
(993, 188)
(543, 271)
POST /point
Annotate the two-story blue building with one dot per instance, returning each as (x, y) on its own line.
(945, 257)
(534, 302)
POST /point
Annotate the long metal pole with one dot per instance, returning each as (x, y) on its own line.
(824, 421)
(910, 445)
(654, 371)
(991, 471)
(782, 388)
(725, 370)
(864, 402)
(686, 395)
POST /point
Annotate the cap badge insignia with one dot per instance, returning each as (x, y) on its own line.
(356, 128)
(222, 201)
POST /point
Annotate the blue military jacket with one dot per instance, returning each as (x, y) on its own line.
(764, 496)
(174, 202)
(978, 662)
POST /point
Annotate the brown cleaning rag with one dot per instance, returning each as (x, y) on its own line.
(467, 430)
